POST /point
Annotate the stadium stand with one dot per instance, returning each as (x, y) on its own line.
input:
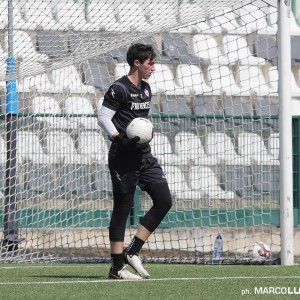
(204, 105)
(25, 85)
(2, 179)
(178, 184)
(3, 56)
(295, 44)
(219, 145)
(162, 150)
(48, 113)
(226, 22)
(265, 107)
(76, 39)
(189, 148)
(18, 20)
(69, 78)
(3, 151)
(273, 145)
(163, 81)
(294, 85)
(176, 49)
(74, 180)
(221, 78)
(92, 145)
(118, 54)
(204, 179)
(210, 111)
(40, 180)
(236, 49)
(154, 109)
(61, 147)
(206, 48)
(81, 106)
(30, 149)
(205, 26)
(161, 14)
(295, 29)
(71, 14)
(100, 181)
(41, 83)
(174, 106)
(191, 77)
(39, 15)
(24, 48)
(254, 19)
(251, 146)
(51, 43)
(235, 178)
(238, 114)
(265, 46)
(122, 69)
(95, 21)
(252, 79)
(272, 74)
(265, 180)
(96, 74)
(132, 13)
(273, 79)
(160, 57)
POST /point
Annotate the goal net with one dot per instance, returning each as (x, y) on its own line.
(214, 108)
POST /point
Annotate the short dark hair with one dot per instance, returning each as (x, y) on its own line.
(141, 52)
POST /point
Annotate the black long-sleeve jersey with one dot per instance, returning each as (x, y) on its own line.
(128, 100)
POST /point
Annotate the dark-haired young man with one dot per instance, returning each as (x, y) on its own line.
(132, 164)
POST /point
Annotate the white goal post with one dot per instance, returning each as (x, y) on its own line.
(225, 77)
(285, 123)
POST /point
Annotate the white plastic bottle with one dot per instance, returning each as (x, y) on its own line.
(218, 247)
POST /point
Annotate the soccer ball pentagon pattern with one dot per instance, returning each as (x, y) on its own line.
(142, 128)
(260, 250)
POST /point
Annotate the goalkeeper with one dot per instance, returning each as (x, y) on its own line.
(132, 164)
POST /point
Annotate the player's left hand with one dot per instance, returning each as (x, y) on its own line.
(125, 142)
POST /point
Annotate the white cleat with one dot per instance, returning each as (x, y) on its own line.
(134, 261)
(123, 274)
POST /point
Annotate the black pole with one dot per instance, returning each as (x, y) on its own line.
(11, 234)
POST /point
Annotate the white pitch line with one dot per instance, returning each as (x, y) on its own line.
(89, 265)
(48, 266)
(147, 280)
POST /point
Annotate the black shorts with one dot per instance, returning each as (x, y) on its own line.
(128, 170)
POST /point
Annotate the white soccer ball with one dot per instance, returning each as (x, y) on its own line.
(260, 250)
(142, 128)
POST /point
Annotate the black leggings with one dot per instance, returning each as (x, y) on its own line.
(162, 202)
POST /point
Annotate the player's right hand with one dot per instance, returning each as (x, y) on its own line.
(126, 142)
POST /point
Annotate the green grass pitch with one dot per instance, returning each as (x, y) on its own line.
(168, 281)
